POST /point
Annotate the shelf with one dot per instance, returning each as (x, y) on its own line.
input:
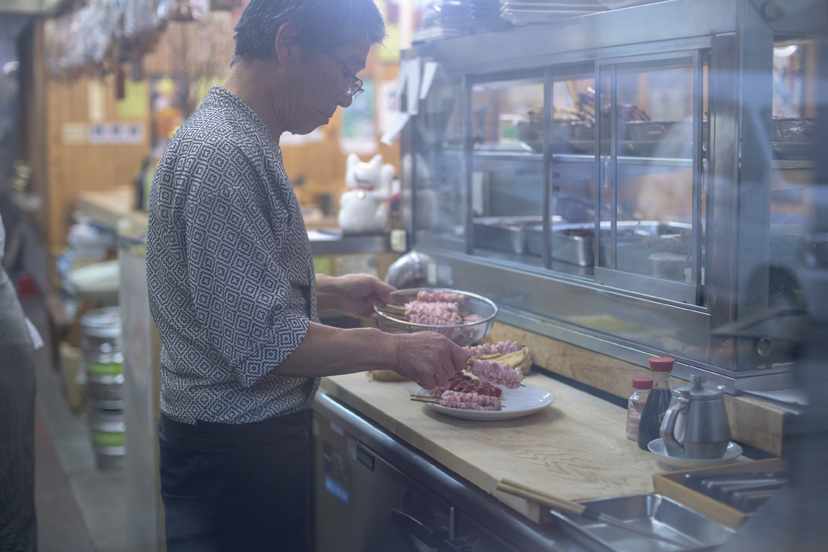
(579, 158)
(793, 165)
(778, 164)
(636, 161)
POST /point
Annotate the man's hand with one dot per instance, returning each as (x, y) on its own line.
(429, 358)
(353, 294)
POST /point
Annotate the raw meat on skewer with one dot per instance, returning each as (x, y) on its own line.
(463, 383)
(464, 392)
(469, 401)
(496, 373)
(502, 348)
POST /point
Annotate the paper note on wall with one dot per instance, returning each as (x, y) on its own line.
(408, 85)
(413, 89)
(96, 104)
(395, 129)
(429, 70)
(389, 105)
(73, 134)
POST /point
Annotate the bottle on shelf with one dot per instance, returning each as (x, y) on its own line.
(641, 388)
(657, 401)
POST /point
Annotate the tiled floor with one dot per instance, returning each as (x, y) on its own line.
(79, 508)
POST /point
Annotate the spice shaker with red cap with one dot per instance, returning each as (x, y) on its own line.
(657, 401)
(635, 406)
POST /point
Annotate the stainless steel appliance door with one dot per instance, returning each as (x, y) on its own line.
(363, 504)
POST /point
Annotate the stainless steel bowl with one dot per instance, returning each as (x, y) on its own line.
(462, 334)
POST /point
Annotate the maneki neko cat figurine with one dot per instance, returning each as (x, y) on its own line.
(363, 208)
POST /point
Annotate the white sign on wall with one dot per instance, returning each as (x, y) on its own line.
(129, 133)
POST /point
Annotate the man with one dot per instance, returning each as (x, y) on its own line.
(18, 526)
(234, 295)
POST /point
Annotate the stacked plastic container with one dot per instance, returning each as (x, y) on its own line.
(102, 347)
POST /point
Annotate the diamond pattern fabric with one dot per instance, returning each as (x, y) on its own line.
(231, 282)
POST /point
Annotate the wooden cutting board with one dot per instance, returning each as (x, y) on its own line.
(575, 448)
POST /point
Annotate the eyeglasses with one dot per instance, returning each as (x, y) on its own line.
(355, 88)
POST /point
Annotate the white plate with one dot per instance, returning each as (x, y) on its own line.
(656, 446)
(516, 403)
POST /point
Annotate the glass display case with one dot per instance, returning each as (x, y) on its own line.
(641, 192)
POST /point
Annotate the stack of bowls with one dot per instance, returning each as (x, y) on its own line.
(101, 345)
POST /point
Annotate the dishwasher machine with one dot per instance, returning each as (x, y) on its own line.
(375, 493)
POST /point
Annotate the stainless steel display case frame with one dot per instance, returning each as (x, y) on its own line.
(736, 39)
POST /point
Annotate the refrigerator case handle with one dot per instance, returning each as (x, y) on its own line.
(414, 527)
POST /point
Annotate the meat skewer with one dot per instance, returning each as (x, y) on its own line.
(464, 383)
(470, 401)
(495, 373)
(502, 348)
(463, 401)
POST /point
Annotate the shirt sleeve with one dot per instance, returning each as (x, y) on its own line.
(240, 291)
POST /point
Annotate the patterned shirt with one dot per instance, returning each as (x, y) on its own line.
(229, 269)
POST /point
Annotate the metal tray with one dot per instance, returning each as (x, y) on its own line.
(505, 233)
(580, 250)
(660, 131)
(795, 150)
(569, 249)
(652, 512)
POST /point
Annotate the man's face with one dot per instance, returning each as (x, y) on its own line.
(320, 86)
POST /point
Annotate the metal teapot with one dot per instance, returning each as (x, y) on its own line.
(695, 424)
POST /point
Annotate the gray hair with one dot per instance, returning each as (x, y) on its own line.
(337, 22)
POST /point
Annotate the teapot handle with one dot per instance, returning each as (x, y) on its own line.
(668, 425)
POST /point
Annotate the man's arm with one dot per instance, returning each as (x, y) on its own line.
(352, 294)
(427, 358)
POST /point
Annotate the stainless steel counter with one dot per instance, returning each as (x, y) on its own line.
(332, 242)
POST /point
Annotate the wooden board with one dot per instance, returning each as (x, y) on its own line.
(576, 448)
(753, 422)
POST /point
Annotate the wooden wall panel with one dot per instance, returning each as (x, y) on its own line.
(75, 168)
(314, 168)
(32, 137)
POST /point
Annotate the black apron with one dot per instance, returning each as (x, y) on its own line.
(237, 486)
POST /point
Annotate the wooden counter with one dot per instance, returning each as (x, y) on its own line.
(110, 207)
(575, 448)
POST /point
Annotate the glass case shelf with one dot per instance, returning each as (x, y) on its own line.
(600, 134)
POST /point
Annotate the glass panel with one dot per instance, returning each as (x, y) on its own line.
(793, 193)
(439, 206)
(605, 166)
(508, 115)
(573, 172)
(573, 138)
(654, 187)
(507, 165)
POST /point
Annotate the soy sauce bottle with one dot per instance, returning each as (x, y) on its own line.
(657, 401)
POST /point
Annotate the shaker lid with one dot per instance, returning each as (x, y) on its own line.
(661, 364)
(642, 383)
(698, 391)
